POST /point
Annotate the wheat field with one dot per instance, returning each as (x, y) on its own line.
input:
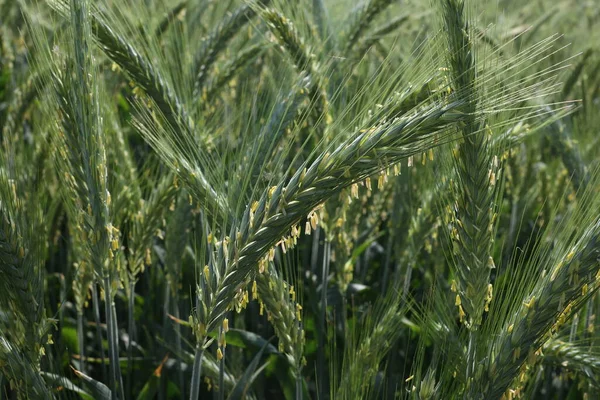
(277, 199)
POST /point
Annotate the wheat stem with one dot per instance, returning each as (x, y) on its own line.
(196, 373)
(116, 383)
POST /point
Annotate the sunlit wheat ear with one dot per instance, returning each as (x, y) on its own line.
(234, 258)
(578, 356)
(478, 158)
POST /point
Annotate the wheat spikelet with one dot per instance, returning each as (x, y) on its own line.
(367, 352)
(23, 97)
(145, 223)
(144, 74)
(22, 234)
(157, 88)
(564, 145)
(20, 279)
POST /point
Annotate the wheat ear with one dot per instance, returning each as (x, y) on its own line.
(217, 41)
(558, 294)
(230, 69)
(571, 356)
(285, 205)
(360, 20)
(472, 234)
(294, 45)
(157, 88)
(284, 313)
(22, 372)
(363, 360)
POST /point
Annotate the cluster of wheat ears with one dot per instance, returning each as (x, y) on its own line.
(299, 199)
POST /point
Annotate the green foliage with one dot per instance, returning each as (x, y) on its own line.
(299, 200)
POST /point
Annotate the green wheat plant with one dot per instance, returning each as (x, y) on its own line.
(252, 199)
